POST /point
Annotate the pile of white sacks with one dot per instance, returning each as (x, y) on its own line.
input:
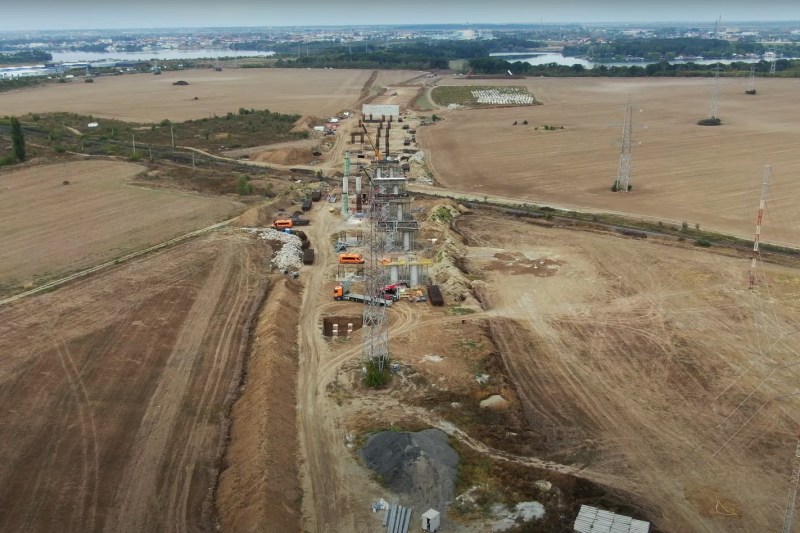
(508, 96)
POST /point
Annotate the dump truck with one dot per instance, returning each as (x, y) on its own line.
(297, 221)
(316, 196)
(339, 294)
(308, 256)
(306, 205)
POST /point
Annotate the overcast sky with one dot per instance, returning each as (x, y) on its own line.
(86, 14)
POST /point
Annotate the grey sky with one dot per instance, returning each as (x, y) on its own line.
(82, 14)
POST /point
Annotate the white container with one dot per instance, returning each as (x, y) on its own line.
(430, 520)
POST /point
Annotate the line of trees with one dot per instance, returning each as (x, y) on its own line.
(26, 56)
(658, 49)
(493, 65)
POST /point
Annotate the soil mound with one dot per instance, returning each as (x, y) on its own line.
(422, 466)
(305, 123)
(284, 156)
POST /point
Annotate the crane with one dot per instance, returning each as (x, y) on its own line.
(377, 150)
(787, 517)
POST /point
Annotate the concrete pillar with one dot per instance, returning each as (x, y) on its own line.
(400, 212)
(406, 241)
(349, 328)
(335, 332)
(414, 277)
(394, 274)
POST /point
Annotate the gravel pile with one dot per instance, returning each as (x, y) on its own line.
(421, 466)
(289, 256)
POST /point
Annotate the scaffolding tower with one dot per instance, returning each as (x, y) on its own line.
(375, 323)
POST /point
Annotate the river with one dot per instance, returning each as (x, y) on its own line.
(543, 58)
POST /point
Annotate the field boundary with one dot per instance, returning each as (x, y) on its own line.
(127, 257)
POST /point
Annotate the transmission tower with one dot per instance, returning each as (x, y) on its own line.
(623, 182)
(375, 322)
(789, 515)
(715, 94)
(751, 81)
(759, 218)
(772, 66)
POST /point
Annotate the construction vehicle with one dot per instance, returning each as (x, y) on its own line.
(283, 223)
(308, 256)
(342, 294)
(392, 292)
(351, 259)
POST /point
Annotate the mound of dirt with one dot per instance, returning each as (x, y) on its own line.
(421, 466)
(284, 156)
(305, 123)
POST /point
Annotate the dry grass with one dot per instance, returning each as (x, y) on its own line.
(681, 171)
(148, 98)
(50, 229)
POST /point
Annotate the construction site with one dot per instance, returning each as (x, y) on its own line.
(442, 320)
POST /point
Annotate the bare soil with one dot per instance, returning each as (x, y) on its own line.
(115, 390)
(631, 358)
(148, 98)
(50, 229)
(259, 488)
(681, 171)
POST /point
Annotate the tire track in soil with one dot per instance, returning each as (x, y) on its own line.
(143, 481)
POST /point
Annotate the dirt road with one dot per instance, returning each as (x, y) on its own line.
(114, 390)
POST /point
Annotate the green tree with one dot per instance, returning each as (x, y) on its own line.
(244, 187)
(18, 139)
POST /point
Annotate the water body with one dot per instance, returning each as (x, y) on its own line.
(82, 57)
(544, 58)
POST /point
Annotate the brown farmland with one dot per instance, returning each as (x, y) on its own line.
(149, 98)
(114, 390)
(630, 357)
(50, 229)
(681, 172)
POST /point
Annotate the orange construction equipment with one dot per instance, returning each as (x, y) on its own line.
(351, 259)
(282, 223)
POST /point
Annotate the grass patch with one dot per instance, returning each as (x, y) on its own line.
(460, 311)
(423, 103)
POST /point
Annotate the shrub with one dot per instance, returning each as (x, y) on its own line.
(375, 377)
(711, 121)
(705, 243)
(243, 187)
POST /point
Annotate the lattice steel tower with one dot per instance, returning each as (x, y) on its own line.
(623, 182)
(375, 322)
(714, 94)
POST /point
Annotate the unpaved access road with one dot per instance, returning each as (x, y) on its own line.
(114, 390)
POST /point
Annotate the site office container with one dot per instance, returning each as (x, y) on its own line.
(351, 259)
(282, 223)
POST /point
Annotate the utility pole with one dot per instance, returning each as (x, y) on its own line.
(172, 135)
(759, 218)
(133, 141)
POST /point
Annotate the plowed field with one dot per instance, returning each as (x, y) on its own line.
(50, 229)
(681, 172)
(114, 390)
(149, 98)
